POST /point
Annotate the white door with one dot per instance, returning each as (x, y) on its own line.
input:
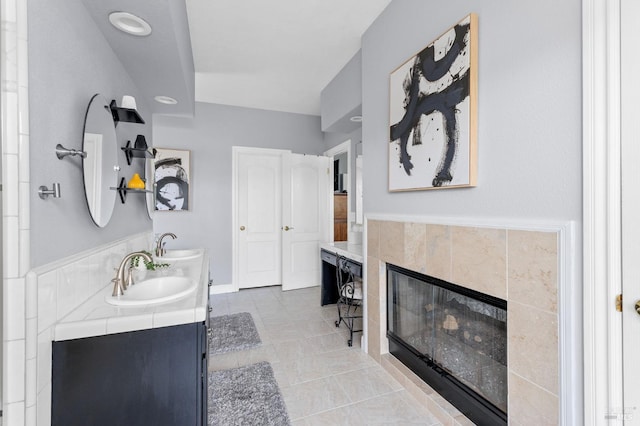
(259, 213)
(305, 216)
(630, 133)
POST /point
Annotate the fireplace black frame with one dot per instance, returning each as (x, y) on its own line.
(474, 406)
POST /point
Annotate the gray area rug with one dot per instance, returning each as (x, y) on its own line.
(231, 333)
(246, 395)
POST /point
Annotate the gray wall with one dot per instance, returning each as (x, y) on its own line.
(529, 116)
(529, 109)
(210, 136)
(342, 98)
(69, 61)
(333, 139)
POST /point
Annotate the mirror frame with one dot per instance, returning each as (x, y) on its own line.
(107, 161)
(332, 152)
(150, 186)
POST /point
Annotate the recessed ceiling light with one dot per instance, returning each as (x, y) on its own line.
(130, 23)
(167, 100)
(356, 118)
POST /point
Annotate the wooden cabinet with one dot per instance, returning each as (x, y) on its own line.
(340, 217)
(148, 377)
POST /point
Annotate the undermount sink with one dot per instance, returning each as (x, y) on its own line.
(154, 290)
(180, 254)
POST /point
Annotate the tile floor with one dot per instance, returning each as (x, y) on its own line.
(322, 380)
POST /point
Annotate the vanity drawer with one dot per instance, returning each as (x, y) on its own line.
(328, 257)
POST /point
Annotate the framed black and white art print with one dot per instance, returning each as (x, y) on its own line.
(433, 110)
(172, 177)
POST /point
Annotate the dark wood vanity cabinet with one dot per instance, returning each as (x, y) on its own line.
(149, 377)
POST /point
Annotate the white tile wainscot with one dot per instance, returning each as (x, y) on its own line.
(66, 300)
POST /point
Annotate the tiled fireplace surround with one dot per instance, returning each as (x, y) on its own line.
(519, 266)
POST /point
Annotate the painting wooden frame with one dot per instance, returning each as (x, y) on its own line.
(433, 113)
(172, 179)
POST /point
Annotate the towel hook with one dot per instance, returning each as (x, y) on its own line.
(44, 192)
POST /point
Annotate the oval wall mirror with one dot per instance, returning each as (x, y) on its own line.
(100, 166)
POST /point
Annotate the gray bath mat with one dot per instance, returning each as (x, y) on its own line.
(246, 395)
(231, 333)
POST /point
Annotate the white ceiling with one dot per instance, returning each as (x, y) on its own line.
(274, 55)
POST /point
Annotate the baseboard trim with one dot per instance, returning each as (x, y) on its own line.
(222, 288)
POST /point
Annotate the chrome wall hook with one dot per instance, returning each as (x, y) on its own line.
(44, 192)
(62, 152)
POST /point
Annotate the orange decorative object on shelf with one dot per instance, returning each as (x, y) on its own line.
(136, 182)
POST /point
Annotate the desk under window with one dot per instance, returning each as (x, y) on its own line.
(328, 254)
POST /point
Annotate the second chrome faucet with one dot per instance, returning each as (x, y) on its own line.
(160, 250)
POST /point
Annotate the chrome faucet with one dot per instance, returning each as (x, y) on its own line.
(160, 251)
(120, 283)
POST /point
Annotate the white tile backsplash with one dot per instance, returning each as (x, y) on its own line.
(23, 67)
(44, 406)
(10, 127)
(15, 313)
(23, 156)
(31, 415)
(24, 205)
(11, 267)
(31, 348)
(14, 379)
(13, 413)
(23, 118)
(10, 11)
(44, 359)
(47, 299)
(21, 16)
(31, 305)
(11, 200)
(31, 382)
(14, 103)
(24, 248)
(75, 285)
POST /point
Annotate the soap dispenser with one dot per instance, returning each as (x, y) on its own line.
(136, 182)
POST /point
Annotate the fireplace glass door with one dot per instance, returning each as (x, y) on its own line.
(459, 332)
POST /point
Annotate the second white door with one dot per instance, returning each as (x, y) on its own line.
(282, 210)
(305, 213)
(629, 369)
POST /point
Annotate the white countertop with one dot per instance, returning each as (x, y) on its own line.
(346, 249)
(96, 317)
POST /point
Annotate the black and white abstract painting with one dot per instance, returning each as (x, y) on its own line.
(172, 178)
(433, 114)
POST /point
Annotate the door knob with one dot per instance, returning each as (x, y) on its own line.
(638, 307)
(286, 228)
(242, 228)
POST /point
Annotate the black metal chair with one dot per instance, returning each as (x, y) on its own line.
(349, 296)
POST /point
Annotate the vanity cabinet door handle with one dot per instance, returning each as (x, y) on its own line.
(242, 228)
